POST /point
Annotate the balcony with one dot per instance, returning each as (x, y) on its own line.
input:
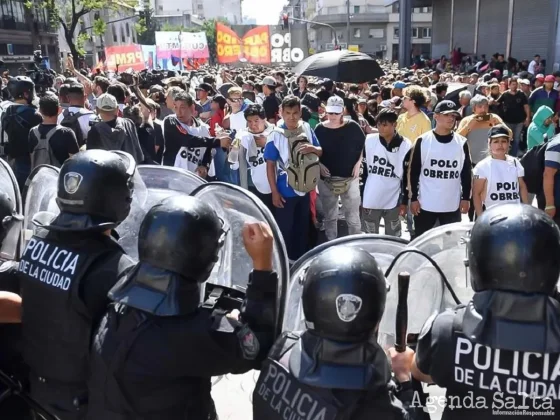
(416, 17)
(9, 22)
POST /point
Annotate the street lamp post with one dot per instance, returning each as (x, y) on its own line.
(320, 24)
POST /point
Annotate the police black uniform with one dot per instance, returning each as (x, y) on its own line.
(67, 270)
(506, 340)
(157, 348)
(333, 370)
(11, 362)
(16, 122)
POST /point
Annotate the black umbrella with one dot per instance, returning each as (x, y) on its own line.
(341, 66)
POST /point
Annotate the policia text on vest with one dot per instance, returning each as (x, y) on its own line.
(506, 374)
(287, 398)
(49, 264)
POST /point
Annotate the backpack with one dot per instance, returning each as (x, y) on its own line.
(43, 154)
(303, 170)
(71, 120)
(533, 164)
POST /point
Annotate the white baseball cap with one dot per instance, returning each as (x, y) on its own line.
(525, 82)
(106, 102)
(335, 104)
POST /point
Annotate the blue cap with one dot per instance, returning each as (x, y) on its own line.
(399, 85)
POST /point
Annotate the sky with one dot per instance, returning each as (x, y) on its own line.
(267, 12)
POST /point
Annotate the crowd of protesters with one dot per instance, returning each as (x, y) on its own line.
(421, 145)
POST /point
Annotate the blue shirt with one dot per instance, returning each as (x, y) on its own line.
(272, 153)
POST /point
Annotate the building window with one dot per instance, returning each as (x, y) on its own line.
(127, 30)
(200, 7)
(414, 32)
(115, 38)
(357, 33)
(427, 9)
(356, 9)
(396, 7)
(339, 35)
(19, 13)
(395, 32)
(160, 8)
(376, 33)
(426, 32)
(123, 38)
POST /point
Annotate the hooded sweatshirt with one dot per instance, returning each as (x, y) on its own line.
(537, 129)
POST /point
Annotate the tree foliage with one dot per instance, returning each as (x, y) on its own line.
(70, 13)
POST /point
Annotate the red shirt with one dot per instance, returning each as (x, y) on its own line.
(216, 118)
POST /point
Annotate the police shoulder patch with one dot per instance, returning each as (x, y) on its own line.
(249, 343)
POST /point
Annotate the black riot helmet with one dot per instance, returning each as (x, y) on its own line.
(183, 235)
(95, 190)
(19, 86)
(514, 247)
(344, 294)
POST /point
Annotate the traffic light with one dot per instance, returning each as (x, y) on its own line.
(285, 21)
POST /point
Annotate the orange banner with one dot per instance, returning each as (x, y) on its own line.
(253, 47)
(126, 56)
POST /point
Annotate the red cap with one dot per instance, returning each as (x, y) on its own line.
(550, 78)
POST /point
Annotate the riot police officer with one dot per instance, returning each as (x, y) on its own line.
(16, 122)
(334, 369)
(500, 353)
(67, 270)
(159, 344)
(10, 301)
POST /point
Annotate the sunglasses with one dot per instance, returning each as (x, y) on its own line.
(333, 113)
(235, 99)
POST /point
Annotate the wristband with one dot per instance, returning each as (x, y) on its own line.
(550, 208)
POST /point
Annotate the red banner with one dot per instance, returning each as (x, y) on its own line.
(126, 57)
(252, 47)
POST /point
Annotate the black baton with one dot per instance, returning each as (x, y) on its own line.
(401, 323)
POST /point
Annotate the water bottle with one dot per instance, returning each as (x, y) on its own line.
(233, 156)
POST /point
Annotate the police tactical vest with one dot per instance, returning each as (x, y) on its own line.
(57, 324)
(278, 395)
(484, 382)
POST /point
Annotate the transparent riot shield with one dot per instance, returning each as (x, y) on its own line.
(233, 393)
(383, 248)
(152, 184)
(237, 206)
(12, 245)
(433, 288)
(40, 195)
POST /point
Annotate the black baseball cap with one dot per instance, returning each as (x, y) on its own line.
(205, 87)
(499, 131)
(446, 107)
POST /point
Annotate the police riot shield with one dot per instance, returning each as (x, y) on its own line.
(233, 393)
(383, 248)
(433, 287)
(12, 244)
(236, 206)
(152, 184)
(40, 196)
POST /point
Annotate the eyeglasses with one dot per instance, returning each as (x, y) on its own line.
(235, 99)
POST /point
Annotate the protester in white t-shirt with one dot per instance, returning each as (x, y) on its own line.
(384, 190)
(498, 179)
(259, 131)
